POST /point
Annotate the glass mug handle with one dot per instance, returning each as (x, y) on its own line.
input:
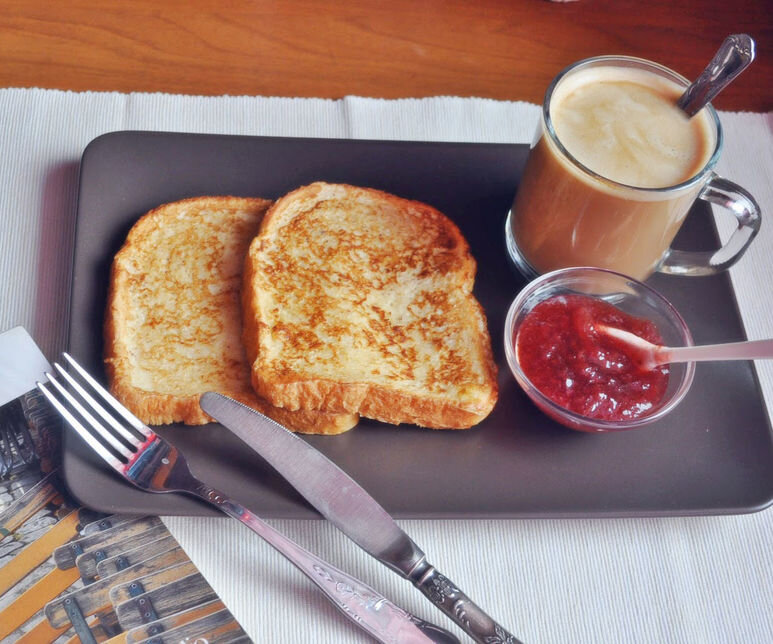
(746, 211)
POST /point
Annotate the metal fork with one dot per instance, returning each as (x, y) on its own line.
(151, 463)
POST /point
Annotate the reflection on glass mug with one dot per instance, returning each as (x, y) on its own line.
(613, 171)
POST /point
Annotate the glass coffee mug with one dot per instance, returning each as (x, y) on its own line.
(624, 214)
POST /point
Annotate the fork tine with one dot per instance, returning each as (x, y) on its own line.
(78, 427)
(98, 427)
(135, 422)
(125, 433)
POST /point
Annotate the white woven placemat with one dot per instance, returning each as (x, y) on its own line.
(707, 579)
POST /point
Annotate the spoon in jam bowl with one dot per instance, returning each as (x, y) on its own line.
(650, 355)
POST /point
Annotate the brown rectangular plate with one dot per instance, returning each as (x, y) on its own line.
(712, 455)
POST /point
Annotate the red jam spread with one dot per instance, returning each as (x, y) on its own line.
(585, 370)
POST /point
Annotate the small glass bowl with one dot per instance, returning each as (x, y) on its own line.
(627, 294)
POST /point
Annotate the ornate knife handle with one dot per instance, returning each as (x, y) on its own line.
(445, 594)
(369, 610)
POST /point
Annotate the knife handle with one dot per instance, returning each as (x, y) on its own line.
(446, 595)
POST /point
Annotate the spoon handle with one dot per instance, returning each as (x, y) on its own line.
(735, 55)
(753, 349)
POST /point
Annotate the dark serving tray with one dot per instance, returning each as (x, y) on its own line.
(712, 455)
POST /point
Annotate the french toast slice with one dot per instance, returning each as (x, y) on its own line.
(173, 321)
(359, 301)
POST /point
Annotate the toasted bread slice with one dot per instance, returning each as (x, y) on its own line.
(359, 301)
(173, 321)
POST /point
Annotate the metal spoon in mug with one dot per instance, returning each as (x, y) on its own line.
(651, 355)
(735, 55)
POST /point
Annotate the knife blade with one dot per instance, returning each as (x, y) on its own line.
(344, 503)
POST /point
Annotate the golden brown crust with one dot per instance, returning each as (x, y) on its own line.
(173, 321)
(359, 301)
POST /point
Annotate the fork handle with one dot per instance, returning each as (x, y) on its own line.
(361, 604)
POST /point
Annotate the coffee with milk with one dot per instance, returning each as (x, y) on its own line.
(623, 124)
(603, 188)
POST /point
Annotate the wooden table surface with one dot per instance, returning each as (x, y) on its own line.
(506, 49)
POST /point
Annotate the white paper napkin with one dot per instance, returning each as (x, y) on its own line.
(694, 580)
(22, 364)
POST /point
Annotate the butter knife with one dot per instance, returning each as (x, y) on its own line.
(353, 511)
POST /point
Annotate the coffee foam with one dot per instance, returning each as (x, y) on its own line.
(623, 124)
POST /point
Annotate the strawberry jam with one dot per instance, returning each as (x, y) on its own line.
(585, 370)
